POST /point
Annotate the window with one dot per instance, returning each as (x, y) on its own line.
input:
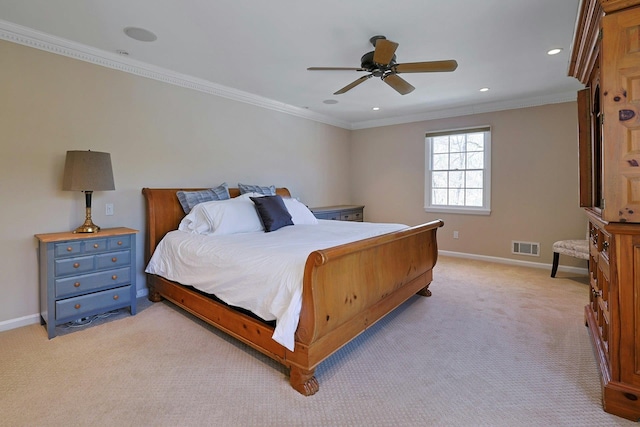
(458, 171)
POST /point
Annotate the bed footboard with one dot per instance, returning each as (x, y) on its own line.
(348, 288)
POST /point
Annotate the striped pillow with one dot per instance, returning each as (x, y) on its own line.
(267, 191)
(188, 199)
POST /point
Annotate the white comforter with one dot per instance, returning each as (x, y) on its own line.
(258, 271)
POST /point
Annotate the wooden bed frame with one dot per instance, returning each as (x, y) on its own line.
(346, 288)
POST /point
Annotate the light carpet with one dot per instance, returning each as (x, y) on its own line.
(495, 345)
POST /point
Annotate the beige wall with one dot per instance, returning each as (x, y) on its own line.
(158, 135)
(534, 194)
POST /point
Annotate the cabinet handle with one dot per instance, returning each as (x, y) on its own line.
(77, 284)
(69, 249)
(77, 306)
(95, 245)
(76, 264)
(119, 243)
(605, 246)
(116, 296)
(114, 259)
(114, 277)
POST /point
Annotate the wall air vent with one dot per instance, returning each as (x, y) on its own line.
(525, 248)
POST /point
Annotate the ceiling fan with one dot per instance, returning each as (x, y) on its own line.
(382, 63)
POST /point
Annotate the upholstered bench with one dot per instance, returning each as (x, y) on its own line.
(575, 248)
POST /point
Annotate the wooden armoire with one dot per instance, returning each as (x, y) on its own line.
(606, 58)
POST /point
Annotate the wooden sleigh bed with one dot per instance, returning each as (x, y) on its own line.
(346, 289)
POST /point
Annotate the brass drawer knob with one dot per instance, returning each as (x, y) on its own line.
(69, 249)
(114, 259)
(119, 243)
(95, 245)
(114, 277)
(115, 297)
(76, 264)
(77, 284)
(77, 306)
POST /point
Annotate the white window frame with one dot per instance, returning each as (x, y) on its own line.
(485, 209)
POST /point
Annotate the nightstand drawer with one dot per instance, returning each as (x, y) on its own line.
(91, 282)
(113, 259)
(68, 249)
(76, 265)
(351, 216)
(95, 245)
(121, 242)
(76, 307)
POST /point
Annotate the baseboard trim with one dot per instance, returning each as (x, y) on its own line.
(509, 261)
(19, 322)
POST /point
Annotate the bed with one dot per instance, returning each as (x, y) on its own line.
(345, 289)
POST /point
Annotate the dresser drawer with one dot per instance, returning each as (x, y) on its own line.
(91, 282)
(94, 246)
(76, 265)
(113, 259)
(77, 307)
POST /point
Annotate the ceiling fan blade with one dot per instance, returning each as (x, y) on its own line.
(335, 68)
(353, 84)
(398, 83)
(426, 67)
(385, 49)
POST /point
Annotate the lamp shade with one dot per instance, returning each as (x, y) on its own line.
(88, 171)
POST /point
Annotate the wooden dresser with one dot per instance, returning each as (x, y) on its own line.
(86, 274)
(606, 58)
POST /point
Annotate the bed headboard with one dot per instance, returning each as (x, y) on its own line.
(164, 212)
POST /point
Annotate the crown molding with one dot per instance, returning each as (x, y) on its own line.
(59, 46)
(469, 110)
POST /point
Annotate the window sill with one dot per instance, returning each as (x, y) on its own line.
(461, 210)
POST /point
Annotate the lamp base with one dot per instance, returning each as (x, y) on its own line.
(88, 226)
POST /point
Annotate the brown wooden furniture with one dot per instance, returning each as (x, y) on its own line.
(346, 289)
(606, 58)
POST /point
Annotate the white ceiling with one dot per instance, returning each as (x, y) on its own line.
(263, 48)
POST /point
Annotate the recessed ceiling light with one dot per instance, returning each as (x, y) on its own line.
(376, 108)
(330, 101)
(554, 51)
(140, 34)
(484, 89)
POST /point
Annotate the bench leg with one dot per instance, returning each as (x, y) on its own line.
(554, 268)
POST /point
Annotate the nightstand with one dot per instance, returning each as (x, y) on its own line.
(85, 274)
(340, 212)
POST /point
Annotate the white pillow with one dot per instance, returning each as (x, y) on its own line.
(237, 215)
(300, 214)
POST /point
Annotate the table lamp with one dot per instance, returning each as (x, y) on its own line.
(88, 171)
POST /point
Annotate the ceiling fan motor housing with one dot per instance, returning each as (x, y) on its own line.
(367, 62)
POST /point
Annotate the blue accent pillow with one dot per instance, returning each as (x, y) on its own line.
(272, 212)
(267, 191)
(188, 199)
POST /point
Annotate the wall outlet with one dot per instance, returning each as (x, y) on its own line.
(108, 210)
(455, 234)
